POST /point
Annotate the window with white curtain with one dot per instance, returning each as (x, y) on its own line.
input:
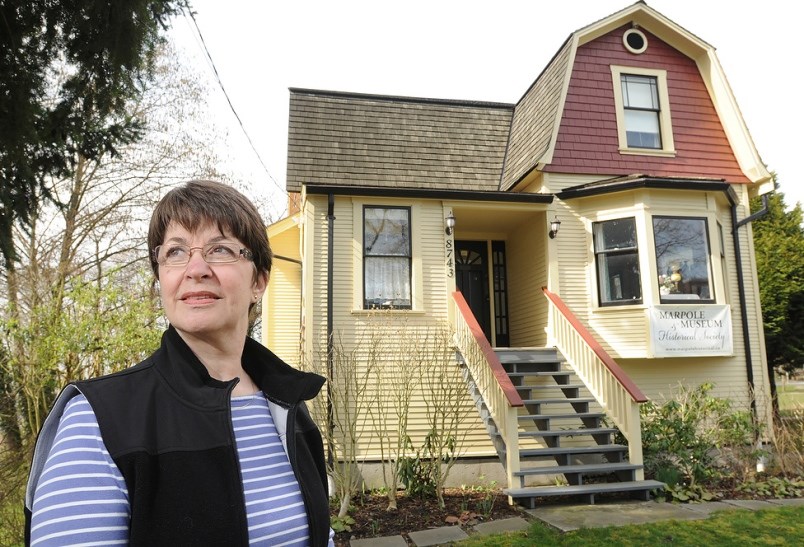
(386, 257)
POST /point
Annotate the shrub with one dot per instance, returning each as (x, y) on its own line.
(696, 437)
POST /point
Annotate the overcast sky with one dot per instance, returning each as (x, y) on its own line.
(472, 50)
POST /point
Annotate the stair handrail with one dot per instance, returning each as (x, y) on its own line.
(493, 384)
(608, 383)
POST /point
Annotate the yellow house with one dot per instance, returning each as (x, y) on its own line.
(587, 248)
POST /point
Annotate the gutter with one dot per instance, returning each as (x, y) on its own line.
(749, 362)
(287, 259)
(330, 327)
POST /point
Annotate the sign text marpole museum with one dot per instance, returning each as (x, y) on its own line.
(690, 331)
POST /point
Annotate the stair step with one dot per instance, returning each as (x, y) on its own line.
(584, 468)
(527, 355)
(552, 386)
(557, 400)
(541, 373)
(538, 491)
(560, 416)
(568, 450)
(568, 432)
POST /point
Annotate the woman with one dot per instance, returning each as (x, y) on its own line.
(206, 442)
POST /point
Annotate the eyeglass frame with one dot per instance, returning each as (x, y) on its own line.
(243, 252)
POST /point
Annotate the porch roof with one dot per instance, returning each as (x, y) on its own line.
(633, 182)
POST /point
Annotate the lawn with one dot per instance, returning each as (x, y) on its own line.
(790, 395)
(782, 526)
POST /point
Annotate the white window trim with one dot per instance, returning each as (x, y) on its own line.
(665, 122)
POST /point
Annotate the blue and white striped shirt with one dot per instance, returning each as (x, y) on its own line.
(81, 497)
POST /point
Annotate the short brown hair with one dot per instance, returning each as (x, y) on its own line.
(198, 202)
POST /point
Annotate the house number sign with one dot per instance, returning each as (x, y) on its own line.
(449, 252)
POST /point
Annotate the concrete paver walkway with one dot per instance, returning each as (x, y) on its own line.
(573, 517)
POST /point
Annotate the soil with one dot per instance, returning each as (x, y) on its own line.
(463, 508)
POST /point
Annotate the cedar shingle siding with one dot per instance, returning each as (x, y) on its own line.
(587, 138)
(363, 140)
(564, 123)
(534, 119)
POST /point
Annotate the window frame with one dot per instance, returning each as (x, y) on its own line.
(599, 254)
(665, 119)
(409, 256)
(709, 261)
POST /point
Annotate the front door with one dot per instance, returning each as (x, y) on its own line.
(472, 279)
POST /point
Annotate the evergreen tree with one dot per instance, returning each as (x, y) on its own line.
(779, 246)
(67, 69)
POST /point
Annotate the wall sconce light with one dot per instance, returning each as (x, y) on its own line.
(450, 220)
(554, 226)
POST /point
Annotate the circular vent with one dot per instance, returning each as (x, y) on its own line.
(635, 41)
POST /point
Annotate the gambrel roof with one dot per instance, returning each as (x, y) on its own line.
(349, 139)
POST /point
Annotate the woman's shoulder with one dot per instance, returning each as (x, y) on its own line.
(117, 384)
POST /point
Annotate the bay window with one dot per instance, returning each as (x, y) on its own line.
(682, 259)
(617, 262)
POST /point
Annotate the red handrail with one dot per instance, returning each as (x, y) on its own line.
(611, 364)
(494, 362)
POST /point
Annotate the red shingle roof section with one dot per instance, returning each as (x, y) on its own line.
(587, 138)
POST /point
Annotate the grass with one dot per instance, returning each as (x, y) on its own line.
(782, 526)
(790, 396)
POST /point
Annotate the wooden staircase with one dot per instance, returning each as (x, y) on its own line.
(565, 447)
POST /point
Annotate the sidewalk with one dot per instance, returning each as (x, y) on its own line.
(572, 517)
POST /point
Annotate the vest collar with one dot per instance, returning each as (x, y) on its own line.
(189, 378)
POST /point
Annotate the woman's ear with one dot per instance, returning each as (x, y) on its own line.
(260, 283)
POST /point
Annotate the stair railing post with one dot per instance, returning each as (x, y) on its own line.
(635, 441)
(511, 449)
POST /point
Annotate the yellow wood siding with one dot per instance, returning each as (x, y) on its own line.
(370, 339)
(527, 274)
(282, 304)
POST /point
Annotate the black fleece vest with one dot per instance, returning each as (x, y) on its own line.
(167, 426)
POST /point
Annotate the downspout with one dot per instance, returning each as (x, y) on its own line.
(736, 225)
(330, 327)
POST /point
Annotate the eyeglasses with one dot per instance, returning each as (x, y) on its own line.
(212, 253)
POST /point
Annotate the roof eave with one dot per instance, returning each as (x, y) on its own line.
(644, 183)
(427, 193)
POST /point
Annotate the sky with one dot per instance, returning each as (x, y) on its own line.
(467, 50)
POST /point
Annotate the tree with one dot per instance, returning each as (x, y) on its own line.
(81, 301)
(779, 247)
(68, 69)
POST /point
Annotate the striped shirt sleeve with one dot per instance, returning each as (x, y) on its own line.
(81, 497)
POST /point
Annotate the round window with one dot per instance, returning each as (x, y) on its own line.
(635, 41)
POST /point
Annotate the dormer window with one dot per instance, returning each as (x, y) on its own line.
(643, 111)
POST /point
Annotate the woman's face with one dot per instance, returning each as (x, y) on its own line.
(208, 300)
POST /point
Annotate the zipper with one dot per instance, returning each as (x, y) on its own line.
(290, 436)
(243, 516)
